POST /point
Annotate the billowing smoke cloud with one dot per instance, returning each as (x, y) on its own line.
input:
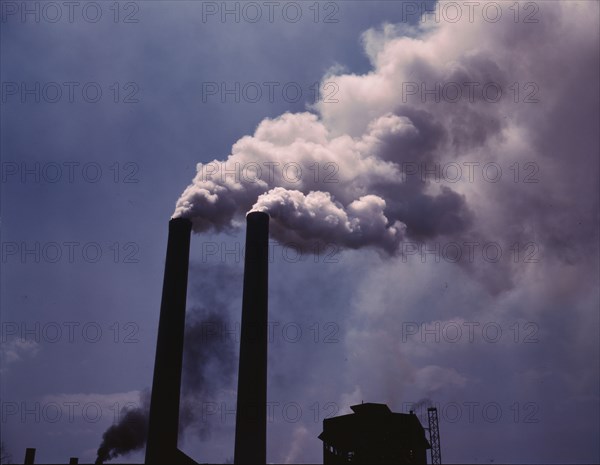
(317, 217)
(129, 434)
(444, 99)
(319, 187)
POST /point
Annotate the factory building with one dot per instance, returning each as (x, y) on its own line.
(373, 434)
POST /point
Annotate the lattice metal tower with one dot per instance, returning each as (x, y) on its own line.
(434, 436)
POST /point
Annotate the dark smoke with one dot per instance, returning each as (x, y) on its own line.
(420, 408)
(425, 402)
(209, 352)
(128, 434)
(209, 363)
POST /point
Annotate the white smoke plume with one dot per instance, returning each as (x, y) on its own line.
(339, 173)
(316, 187)
(317, 217)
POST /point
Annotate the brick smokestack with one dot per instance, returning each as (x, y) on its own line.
(251, 416)
(164, 404)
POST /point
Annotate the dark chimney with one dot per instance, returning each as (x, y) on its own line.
(251, 417)
(29, 455)
(163, 426)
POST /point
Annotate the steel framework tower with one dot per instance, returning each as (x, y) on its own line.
(434, 436)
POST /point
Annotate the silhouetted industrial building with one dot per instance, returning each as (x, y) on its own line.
(373, 434)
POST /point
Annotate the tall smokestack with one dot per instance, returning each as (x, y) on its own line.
(164, 404)
(251, 417)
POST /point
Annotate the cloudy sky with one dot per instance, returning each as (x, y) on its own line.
(433, 187)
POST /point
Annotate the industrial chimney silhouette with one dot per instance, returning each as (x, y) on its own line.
(163, 427)
(251, 416)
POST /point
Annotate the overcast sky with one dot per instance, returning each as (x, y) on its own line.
(439, 175)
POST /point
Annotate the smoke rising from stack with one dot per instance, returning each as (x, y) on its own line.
(129, 434)
(377, 127)
(316, 217)
(358, 199)
(422, 403)
(209, 365)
